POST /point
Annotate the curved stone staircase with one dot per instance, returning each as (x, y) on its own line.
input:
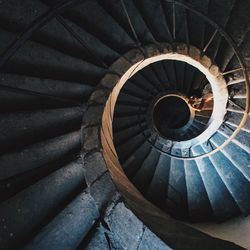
(86, 88)
(174, 165)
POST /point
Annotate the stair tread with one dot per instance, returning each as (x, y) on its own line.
(221, 200)
(159, 184)
(135, 160)
(197, 24)
(37, 60)
(145, 174)
(199, 206)
(119, 40)
(63, 231)
(235, 181)
(235, 28)
(70, 90)
(158, 26)
(27, 127)
(126, 134)
(237, 155)
(39, 154)
(23, 218)
(139, 26)
(127, 149)
(121, 123)
(241, 139)
(176, 199)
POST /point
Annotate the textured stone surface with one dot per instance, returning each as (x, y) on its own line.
(109, 81)
(99, 96)
(152, 50)
(102, 190)
(127, 228)
(214, 70)
(90, 137)
(166, 48)
(39, 154)
(247, 124)
(94, 166)
(150, 241)
(26, 211)
(206, 61)
(120, 66)
(194, 53)
(69, 227)
(93, 115)
(134, 56)
(182, 49)
(99, 240)
(114, 243)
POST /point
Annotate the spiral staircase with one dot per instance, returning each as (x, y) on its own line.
(120, 119)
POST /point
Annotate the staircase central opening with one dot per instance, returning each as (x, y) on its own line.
(170, 113)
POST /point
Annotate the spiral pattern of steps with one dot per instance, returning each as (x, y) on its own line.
(176, 170)
(56, 57)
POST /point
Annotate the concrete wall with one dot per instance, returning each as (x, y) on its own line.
(236, 230)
